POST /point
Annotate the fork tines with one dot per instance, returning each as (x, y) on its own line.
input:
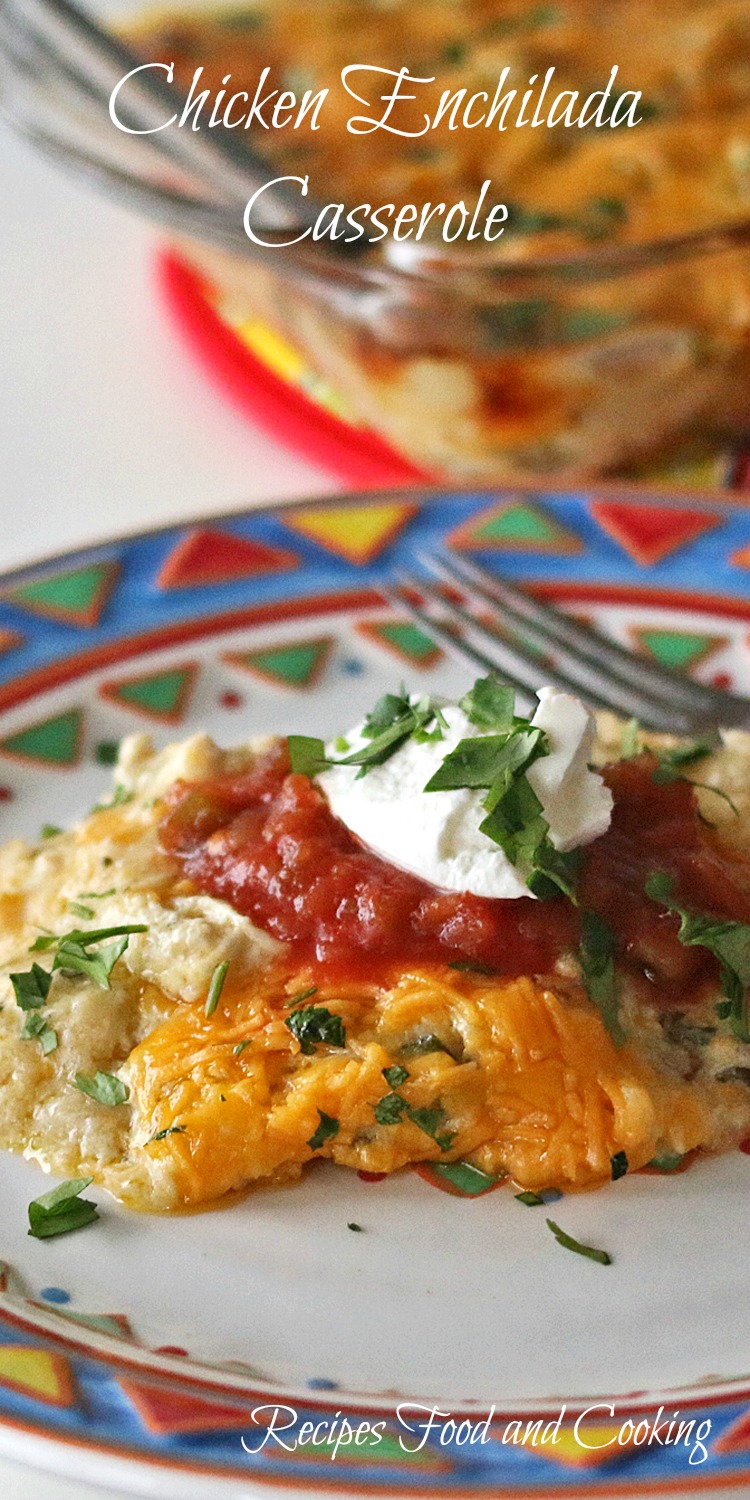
(493, 625)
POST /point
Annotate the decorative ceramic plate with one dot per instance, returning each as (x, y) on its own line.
(182, 1357)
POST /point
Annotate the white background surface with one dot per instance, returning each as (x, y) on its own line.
(105, 426)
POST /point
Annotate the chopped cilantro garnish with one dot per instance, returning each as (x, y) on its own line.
(303, 995)
(327, 1129)
(119, 797)
(629, 745)
(529, 1199)
(236, 1051)
(489, 704)
(32, 987)
(216, 986)
(430, 1120)
(729, 941)
(355, 1228)
(307, 756)
(393, 720)
(391, 1109)
(37, 1028)
(61, 1210)
(568, 1243)
(670, 762)
(596, 955)
(77, 910)
(49, 831)
(424, 1044)
(73, 954)
(467, 1179)
(103, 1087)
(668, 1161)
(313, 1026)
(395, 1075)
(618, 1165)
(161, 1135)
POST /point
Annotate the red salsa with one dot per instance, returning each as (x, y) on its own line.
(267, 843)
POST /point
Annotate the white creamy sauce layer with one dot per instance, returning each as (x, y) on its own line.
(436, 835)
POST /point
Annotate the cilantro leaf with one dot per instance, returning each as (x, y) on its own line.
(103, 1087)
(49, 831)
(77, 910)
(395, 1076)
(37, 1028)
(391, 1109)
(470, 966)
(314, 1025)
(423, 1044)
(728, 940)
(568, 1243)
(670, 762)
(161, 1135)
(482, 761)
(429, 1120)
(596, 956)
(307, 756)
(73, 954)
(327, 1129)
(61, 1210)
(629, 745)
(529, 1199)
(239, 1049)
(489, 704)
(32, 987)
(216, 986)
(465, 1178)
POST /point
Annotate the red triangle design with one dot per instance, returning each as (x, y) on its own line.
(210, 556)
(168, 1411)
(736, 1438)
(648, 533)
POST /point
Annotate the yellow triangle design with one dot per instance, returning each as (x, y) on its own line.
(37, 1373)
(356, 533)
(591, 1445)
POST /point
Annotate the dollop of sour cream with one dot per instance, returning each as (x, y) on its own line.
(436, 835)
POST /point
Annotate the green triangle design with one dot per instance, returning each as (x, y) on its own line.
(69, 593)
(675, 648)
(55, 741)
(294, 665)
(518, 523)
(159, 693)
(408, 638)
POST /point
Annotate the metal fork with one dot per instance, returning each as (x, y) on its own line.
(496, 627)
(58, 70)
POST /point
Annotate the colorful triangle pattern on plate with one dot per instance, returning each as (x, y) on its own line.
(404, 639)
(736, 1437)
(357, 533)
(51, 742)
(160, 695)
(679, 649)
(588, 1446)
(163, 1410)
(649, 533)
(38, 1373)
(517, 525)
(296, 664)
(212, 556)
(76, 596)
